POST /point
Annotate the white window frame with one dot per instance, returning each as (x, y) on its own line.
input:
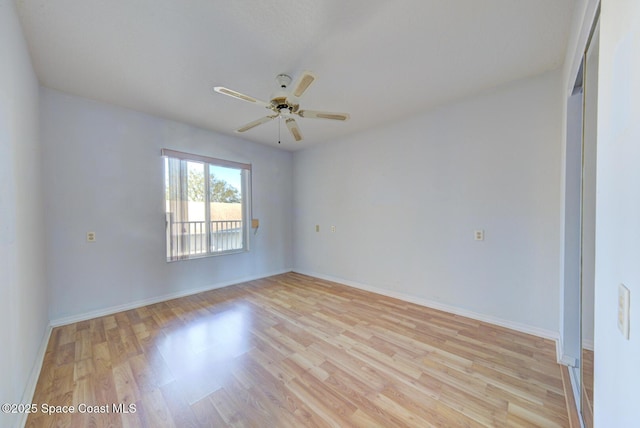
(172, 242)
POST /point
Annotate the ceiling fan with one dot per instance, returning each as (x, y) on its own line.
(284, 104)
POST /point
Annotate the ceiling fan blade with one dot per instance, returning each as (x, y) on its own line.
(235, 94)
(314, 114)
(293, 128)
(305, 80)
(255, 123)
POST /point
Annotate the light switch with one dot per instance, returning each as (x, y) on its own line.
(623, 310)
(317, 228)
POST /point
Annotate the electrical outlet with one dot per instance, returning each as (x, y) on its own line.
(623, 310)
(333, 228)
(91, 237)
(317, 228)
(478, 235)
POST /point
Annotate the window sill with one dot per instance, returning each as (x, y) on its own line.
(208, 255)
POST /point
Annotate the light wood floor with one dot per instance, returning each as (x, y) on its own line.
(292, 350)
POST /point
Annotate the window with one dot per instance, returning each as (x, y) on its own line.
(206, 205)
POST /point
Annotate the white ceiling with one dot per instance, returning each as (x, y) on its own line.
(379, 60)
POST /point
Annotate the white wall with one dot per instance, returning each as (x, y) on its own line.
(406, 198)
(617, 368)
(23, 292)
(104, 174)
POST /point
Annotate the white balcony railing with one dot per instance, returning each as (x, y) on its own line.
(191, 236)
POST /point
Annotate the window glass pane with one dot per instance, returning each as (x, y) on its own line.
(196, 226)
(225, 213)
(206, 205)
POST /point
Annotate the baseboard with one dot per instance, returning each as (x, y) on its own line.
(30, 389)
(568, 361)
(523, 328)
(564, 359)
(150, 301)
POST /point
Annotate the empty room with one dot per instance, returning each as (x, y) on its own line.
(319, 213)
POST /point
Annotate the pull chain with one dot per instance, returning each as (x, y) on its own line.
(279, 123)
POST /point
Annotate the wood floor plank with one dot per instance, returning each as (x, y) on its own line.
(206, 414)
(292, 350)
(126, 387)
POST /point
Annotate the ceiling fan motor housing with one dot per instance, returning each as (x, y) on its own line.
(280, 103)
(280, 99)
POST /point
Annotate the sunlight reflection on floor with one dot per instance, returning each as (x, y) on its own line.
(202, 354)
